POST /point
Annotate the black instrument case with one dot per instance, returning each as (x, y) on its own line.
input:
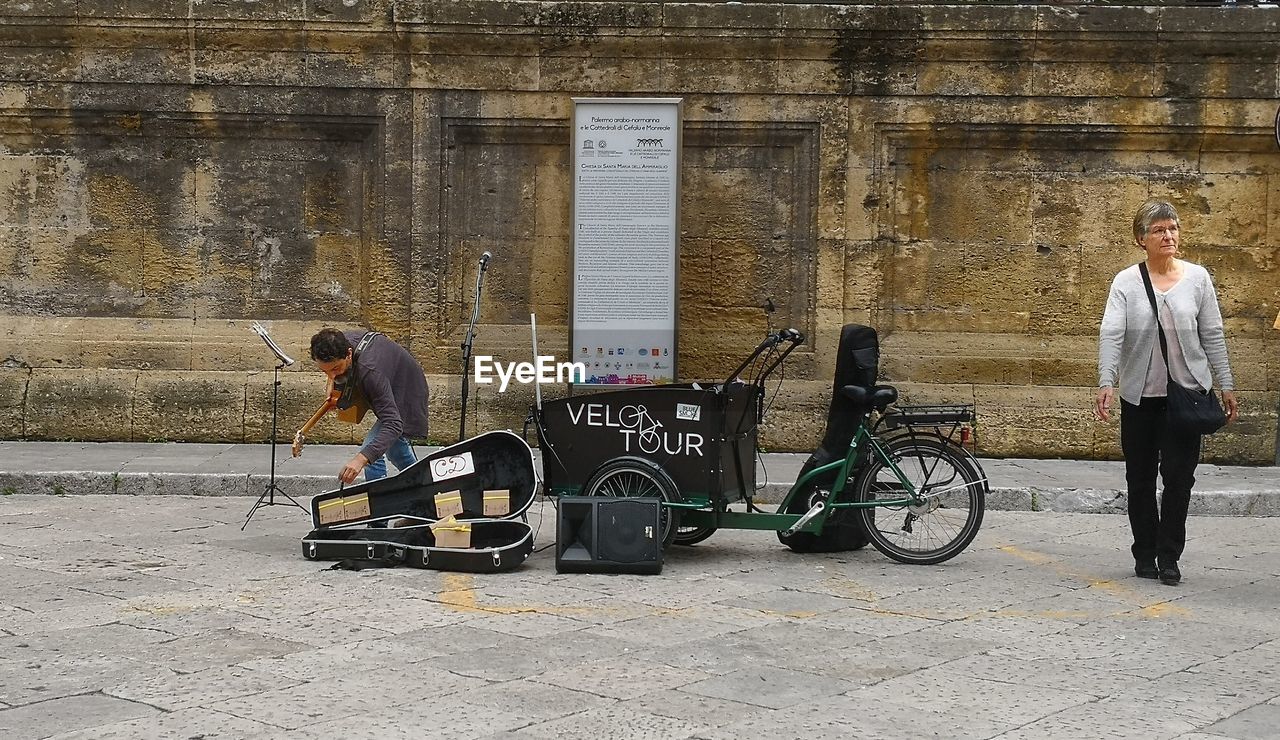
(491, 462)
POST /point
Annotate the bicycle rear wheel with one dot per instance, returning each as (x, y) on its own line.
(943, 523)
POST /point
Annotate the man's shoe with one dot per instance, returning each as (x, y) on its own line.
(1170, 575)
(1146, 569)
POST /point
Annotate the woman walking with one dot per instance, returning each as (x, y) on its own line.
(1129, 351)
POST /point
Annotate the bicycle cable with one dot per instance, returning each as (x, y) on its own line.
(782, 374)
(541, 518)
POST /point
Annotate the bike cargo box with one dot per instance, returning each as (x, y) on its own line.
(495, 545)
(703, 436)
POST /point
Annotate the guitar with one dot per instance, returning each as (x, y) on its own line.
(353, 414)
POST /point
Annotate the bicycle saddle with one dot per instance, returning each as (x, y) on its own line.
(878, 396)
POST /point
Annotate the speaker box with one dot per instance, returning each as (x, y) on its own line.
(600, 534)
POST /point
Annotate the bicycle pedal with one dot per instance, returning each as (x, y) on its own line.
(803, 521)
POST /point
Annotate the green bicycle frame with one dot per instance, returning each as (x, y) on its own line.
(694, 511)
(848, 463)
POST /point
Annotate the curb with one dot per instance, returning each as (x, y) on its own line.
(97, 483)
(1000, 498)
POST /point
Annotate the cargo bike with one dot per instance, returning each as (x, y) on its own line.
(899, 477)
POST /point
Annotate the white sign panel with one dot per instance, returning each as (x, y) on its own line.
(626, 196)
(454, 466)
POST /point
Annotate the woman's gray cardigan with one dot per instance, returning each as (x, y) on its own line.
(1127, 336)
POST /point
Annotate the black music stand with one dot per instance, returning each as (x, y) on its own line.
(268, 496)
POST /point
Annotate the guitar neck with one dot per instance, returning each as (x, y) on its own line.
(330, 402)
(325, 408)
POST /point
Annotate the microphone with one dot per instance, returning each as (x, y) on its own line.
(484, 260)
(261, 331)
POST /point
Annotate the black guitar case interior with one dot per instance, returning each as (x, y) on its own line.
(350, 523)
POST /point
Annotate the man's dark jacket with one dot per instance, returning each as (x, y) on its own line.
(396, 388)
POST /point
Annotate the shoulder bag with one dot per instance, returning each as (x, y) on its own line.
(1189, 411)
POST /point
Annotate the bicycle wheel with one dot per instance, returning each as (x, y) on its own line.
(635, 476)
(940, 526)
(692, 535)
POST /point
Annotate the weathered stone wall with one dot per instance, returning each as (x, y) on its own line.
(961, 177)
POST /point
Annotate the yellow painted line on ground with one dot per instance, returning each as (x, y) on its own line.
(1034, 558)
(1122, 592)
(793, 615)
(452, 600)
(459, 594)
(158, 610)
(851, 589)
(1165, 609)
(1110, 586)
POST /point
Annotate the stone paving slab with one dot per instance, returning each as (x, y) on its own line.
(136, 616)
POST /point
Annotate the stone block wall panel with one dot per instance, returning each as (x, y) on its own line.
(188, 405)
(238, 215)
(959, 175)
(80, 404)
(14, 381)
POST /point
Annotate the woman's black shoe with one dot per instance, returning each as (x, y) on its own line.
(1170, 575)
(1146, 569)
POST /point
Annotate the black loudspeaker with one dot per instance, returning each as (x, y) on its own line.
(599, 534)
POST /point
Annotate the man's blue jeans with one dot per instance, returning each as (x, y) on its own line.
(401, 455)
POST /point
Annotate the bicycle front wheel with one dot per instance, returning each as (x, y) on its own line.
(634, 476)
(950, 500)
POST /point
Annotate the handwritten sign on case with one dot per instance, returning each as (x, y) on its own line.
(453, 466)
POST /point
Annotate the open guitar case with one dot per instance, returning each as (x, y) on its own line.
(489, 462)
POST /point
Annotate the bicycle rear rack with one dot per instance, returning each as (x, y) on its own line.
(922, 416)
(953, 422)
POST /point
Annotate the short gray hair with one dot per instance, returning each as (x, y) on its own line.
(1149, 213)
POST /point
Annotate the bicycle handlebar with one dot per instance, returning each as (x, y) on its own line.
(794, 336)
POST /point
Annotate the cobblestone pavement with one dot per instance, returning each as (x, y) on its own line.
(157, 617)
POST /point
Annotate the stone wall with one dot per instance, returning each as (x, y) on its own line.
(961, 177)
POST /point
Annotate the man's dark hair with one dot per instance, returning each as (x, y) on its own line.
(329, 345)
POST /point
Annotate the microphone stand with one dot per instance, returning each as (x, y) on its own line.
(268, 496)
(466, 347)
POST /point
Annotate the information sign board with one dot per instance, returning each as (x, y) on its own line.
(626, 196)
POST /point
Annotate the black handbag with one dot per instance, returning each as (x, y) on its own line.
(1189, 411)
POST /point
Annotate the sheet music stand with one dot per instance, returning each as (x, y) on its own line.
(268, 496)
